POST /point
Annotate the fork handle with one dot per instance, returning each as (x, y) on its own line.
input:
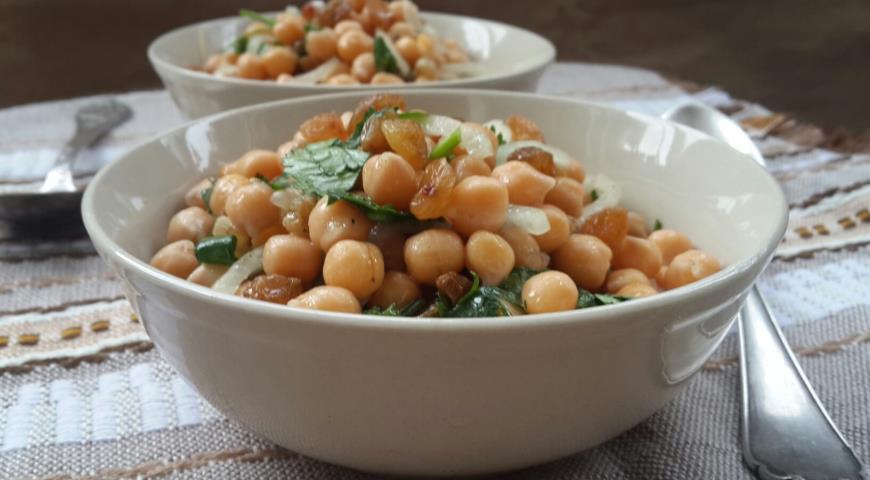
(787, 434)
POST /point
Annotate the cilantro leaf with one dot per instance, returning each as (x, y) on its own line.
(594, 195)
(218, 250)
(378, 213)
(411, 310)
(482, 301)
(588, 299)
(658, 225)
(384, 60)
(515, 280)
(325, 168)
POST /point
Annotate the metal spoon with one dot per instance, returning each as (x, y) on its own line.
(787, 434)
(58, 196)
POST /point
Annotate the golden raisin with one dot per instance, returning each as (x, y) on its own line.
(407, 139)
(452, 285)
(272, 288)
(610, 225)
(334, 12)
(523, 128)
(433, 194)
(376, 103)
(325, 126)
(538, 158)
(372, 137)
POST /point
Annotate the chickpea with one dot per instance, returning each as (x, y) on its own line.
(192, 223)
(363, 67)
(671, 243)
(425, 67)
(250, 207)
(617, 279)
(389, 180)
(206, 274)
(328, 224)
(402, 29)
(345, 26)
(490, 256)
(660, 277)
(333, 299)
(356, 266)
(573, 170)
(560, 229)
(525, 185)
(384, 78)
(279, 60)
(256, 162)
(638, 253)
(637, 228)
(256, 28)
(690, 266)
(526, 250)
(223, 187)
(262, 235)
(390, 239)
(407, 48)
(551, 291)
(251, 66)
(193, 197)
(433, 252)
(478, 203)
(403, 10)
(213, 62)
(637, 290)
(292, 256)
(523, 129)
(466, 166)
(321, 44)
(177, 258)
(426, 45)
(289, 30)
(586, 259)
(567, 194)
(342, 79)
(353, 43)
(398, 289)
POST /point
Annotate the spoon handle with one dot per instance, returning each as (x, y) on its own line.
(60, 178)
(787, 434)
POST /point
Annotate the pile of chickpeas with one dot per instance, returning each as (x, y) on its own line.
(300, 41)
(332, 256)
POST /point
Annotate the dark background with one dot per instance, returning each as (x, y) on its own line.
(810, 58)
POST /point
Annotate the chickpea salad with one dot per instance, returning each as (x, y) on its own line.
(342, 42)
(387, 210)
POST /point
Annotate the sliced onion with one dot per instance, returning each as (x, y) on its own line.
(318, 74)
(288, 199)
(476, 140)
(531, 219)
(608, 194)
(440, 125)
(560, 157)
(401, 64)
(256, 41)
(248, 265)
(499, 127)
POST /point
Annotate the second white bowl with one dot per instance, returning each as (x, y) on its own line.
(508, 58)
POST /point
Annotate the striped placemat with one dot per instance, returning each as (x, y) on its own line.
(83, 393)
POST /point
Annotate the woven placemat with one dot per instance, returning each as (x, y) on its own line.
(83, 393)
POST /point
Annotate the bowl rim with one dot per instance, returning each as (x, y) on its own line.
(601, 314)
(159, 62)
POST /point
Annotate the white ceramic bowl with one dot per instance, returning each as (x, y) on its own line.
(445, 396)
(509, 57)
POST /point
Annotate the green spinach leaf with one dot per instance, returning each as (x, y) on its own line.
(220, 250)
(411, 310)
(483, 301)
(658, 225)
(588, 299)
